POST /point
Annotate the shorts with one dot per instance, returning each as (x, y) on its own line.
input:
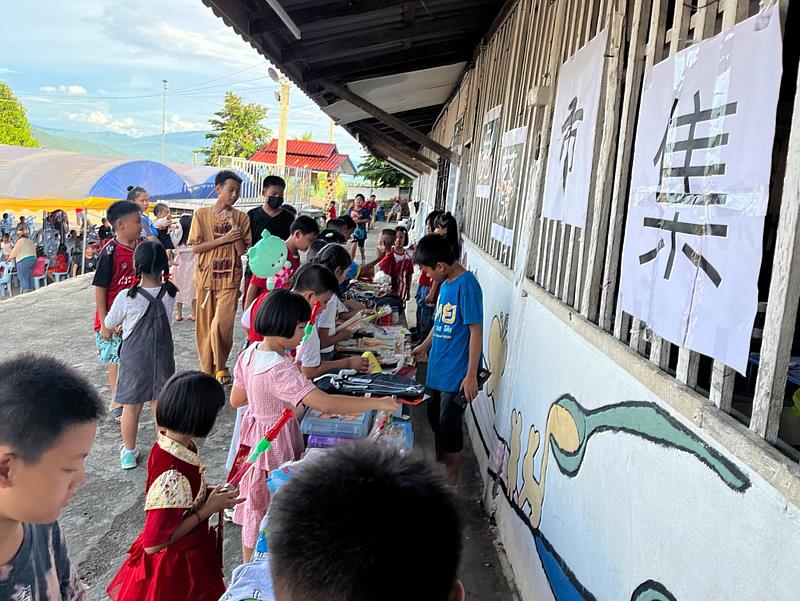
(108, 350)
(327, 356)
(446, 417)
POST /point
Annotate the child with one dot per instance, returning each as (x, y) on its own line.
(338, 260)
(141, 198)
(40, 266)
(163, 225)
(267, 381)
(147, 356)
(219, 236)
(86, 263)
(104, 231)
(303, 232)
(175, 557)
(399, 265)
(427, 290)
(49, 422)
(183, 274)
(325, 540)
(115, 272)
(396, 211)
(361, 216)
(332, 210)
(60, 263)
(446, 225)
(6, 247)
(455, 347)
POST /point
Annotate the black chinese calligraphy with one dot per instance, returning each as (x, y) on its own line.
(569, 131)
(671, 145)
(675, 227)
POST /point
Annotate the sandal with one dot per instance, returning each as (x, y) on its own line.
(223, 376)
(191, 318)
(180, 318)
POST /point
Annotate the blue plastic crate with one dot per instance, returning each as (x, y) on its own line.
(342, 426)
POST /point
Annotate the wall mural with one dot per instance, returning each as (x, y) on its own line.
(568, 429)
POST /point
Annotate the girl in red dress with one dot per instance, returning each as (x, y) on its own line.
(175, 557)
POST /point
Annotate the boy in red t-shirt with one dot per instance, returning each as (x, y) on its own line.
(115, 272)
(303, 231)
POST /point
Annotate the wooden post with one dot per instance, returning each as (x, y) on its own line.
(784, 291)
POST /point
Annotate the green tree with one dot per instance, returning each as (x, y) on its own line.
(14, 126)
(382, 174)
(307, 136)
(238, 131)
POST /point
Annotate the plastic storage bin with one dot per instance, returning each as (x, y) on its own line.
(399, 434)
(341, 426)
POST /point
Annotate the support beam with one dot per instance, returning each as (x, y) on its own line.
(385, 156)
(377, 135)
(392, 121)
(267, 21)
(355, 44)
(399, 155)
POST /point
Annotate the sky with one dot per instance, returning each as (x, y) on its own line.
(98, 65)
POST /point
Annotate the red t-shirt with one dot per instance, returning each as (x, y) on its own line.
(115, 272)
(331, 212)
(424, 280)
(60, 265)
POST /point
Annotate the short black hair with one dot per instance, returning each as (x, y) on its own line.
(120, 209)
(305, 225)
(316, 246)
(290, 209)
(62, 248)
(40, 398)
(360, 195)
(315, 278)
(189, 403)
(430, 220)
(349, 222)
(150, 258)
(273, 180)
(334, 257)
(324, 544)
(433, 249)
(224, 176)
(332, 235)
(389, 232)
(160, 206)
(280, 313)
(400, 228)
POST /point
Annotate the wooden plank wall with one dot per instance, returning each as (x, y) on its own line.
(581, 268)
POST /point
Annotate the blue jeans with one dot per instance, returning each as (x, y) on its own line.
(424, 313)
(25, 273)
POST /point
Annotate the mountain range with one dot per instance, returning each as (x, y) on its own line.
(178, 147)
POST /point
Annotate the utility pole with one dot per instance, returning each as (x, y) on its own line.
(163, 119)
(331, 136)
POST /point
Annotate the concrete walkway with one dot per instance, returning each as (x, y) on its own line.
(107, 513)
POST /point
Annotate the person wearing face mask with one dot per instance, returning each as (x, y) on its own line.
(270, 216)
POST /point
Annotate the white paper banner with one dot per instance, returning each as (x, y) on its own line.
(509, 181)
(699, 190)
(491, 127)
(572, 138)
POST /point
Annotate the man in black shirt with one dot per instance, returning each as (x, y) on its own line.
(271, 216)
(104, 232)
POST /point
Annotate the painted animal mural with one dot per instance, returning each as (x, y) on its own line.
(498, 346)
(565, 441)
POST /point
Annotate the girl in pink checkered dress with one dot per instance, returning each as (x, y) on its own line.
(266, 380)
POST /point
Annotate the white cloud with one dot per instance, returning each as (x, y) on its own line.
(126, 125)
(7, 71)
(73, 90)
(177, 124)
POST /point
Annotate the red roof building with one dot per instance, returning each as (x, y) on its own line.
(316, 156)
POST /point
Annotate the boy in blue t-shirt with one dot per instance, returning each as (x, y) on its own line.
(454, 345)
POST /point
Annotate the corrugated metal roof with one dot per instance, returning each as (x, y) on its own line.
(317, 156)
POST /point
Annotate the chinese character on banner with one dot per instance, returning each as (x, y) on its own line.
(572, 138)
(699, 190)
(485, 166)
(508, 185)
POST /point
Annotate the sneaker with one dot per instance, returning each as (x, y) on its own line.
(227, 514)
(127, 458)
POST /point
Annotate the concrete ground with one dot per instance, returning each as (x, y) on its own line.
(107, 513)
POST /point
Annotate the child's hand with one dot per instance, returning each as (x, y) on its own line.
(387, 403)
(470, 387)
(105, 333)
(222, 497)
(234, 234)
(359, 363)
(419, 353)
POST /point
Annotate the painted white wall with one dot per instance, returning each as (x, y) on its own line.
(380, 193)
(635, 511)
